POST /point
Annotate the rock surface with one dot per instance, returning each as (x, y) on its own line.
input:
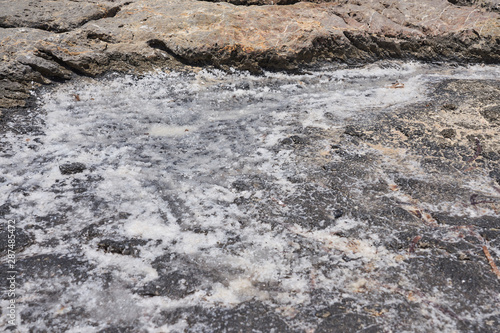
(356, 199)
(195, 201)
(44, 42)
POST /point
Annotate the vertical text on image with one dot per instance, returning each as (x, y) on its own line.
(11, 273)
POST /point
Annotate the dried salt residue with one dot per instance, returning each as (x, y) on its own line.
(201, 176)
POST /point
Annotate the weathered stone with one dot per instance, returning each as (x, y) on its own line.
(45, 42)
(22, 240)
(448, 133)
(488, 4)
(492, 114)
(349, 322)
(246, 317)
(56, 16)
(51, 220)
(49, 266)
(72, 168)
(124, 247)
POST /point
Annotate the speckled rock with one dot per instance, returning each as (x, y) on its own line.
(305, 202)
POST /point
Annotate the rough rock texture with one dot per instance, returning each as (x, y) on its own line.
(55, 16)
(325, 201)
(43, 42)
(489, 4)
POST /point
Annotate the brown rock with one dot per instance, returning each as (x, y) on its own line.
(51, 41)
(57, 16)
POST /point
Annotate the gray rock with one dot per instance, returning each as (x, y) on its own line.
(72, 168)
(408, 189)
(492, 114)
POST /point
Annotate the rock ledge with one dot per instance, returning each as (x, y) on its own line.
(47, 42)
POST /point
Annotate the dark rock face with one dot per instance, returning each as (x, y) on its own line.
(50, 266)
(250, 316)
(349, 322)
(23, 240)
(488, 4)
(72, 168)
(124, 247)
(51, 42)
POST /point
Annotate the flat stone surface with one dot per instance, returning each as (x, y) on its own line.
(55, 16)
(352, 199)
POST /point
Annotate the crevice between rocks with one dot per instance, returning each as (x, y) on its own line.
(160, 45)
(50, 56)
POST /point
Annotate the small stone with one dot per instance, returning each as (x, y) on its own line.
(495, 174)
(491, 114)
(450, 107)
(352, 131)
(323, 314)
(329, 116)
(240, 200)
(448, 133)
(294, 140)
(72, 168)
(125, 247)
(123, 215)
(338, 213)
(241, 185)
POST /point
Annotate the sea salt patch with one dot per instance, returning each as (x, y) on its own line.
(130, 133)
(152, 228)
(166, 130)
